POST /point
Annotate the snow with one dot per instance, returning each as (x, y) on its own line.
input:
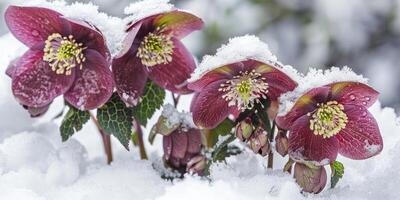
(175, 117)
(316, 78)
(145, 8)
(237, 49)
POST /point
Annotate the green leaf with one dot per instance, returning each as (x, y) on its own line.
(337, 172)
(152, 100)
(221, 151)
(73, 122)
(224, 128)
(115, 118)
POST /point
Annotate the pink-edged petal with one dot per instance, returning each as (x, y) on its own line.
(224, 72)
(86, 34)
(93, 85)
(305, 104)
(173, 76)
(194, 141)
(177, 22)
(305, 146)
(167, 146)
(278, 82)
(32, 25)
(354, 93)
(130, 78)
(179, 144)
(361, 138)
(209, 108)
(12, 67)
(34, 84)
(128, 45)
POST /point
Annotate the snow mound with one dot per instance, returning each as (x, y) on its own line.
(175, 117)
(146, 8)
(316, 78)
(111, 27)
(237, 49)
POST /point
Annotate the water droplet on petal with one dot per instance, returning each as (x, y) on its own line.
(367, 98)
(364, 103)
(35, 33)
(352, 97)
(364, 114)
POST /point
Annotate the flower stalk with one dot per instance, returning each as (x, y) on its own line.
(140, 142)
(105, 138)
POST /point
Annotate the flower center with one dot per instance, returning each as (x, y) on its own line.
(63, 53)
(156, 48)
(328, 120)
(244, 90)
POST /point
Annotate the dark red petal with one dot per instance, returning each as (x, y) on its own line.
(167, 146)
(354, 93)
(173, 75)
(34, 84)
(194, 141)
(305, 146)
(128, 43)
(177, 22)
(224, 72)
(32, 25)
(12, 67)
(361, 139)
(179, 144)
(86, 34)
(305, 104)
(93, 85)
(130, 78)
(278, 81)
(209, 108)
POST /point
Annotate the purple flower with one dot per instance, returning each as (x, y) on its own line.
(312, 180)
(234, 88)
(66, 57)
(152, 49)
(333, 119)
(181, 146)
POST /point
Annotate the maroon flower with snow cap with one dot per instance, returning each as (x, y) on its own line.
(333, 119)
(152, 49)
(66, 57)
(240, 75)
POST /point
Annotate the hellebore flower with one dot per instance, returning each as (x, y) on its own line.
(333, 119)
(152, 48)
(234, 88)
(312, 180)
(281, 143)
(181, 146)
(66, 57)
(259, 142)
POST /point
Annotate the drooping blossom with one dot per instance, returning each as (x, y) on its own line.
(333, 119)
(152, 49)
(234, 88)
(66, 57)
(312, 180)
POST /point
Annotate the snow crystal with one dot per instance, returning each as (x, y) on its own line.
(146, 8)
(371, 148)
(175, 117)
(316, 78)
(237, 49)
(111, 27)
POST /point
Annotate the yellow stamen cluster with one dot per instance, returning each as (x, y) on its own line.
(328, 120)
(63, 53)
(156, 48)
(245, 90)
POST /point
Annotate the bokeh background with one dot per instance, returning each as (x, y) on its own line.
(362, 34)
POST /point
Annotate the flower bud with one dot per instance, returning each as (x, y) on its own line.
(244, 129)
(281, 143)
(259, 143)
(312, 180)
(197, 165)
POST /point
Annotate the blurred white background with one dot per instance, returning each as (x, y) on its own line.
(362, 34)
